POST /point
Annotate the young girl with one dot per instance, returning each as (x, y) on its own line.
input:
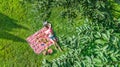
(50, 34)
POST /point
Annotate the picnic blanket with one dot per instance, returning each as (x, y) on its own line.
(39, 41)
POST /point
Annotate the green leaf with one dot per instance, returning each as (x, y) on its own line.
(105, 47)
(108, 34)
(54, 64)
(104, 36)
(98, 4)
(78, 63)
(83, 64)
(98, 35)
(113, 57)
(102, 4)
(114, 40)
(119, 20)
(96, 60)
(88, 59)
(100, 41)
(99, 65)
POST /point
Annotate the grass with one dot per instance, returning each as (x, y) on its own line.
(14, 29)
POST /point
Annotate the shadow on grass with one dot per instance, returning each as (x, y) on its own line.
(6, 25)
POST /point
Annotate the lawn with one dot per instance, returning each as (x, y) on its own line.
(79, 28)
(14, 29)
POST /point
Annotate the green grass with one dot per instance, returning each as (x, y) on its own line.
(14, 29)
(16, 25)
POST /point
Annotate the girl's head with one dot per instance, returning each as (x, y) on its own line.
(45, 24)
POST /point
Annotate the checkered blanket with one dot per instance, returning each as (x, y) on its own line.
(39, 41)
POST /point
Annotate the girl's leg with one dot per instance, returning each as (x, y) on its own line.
(55, 43)
(44, 52)
(57, 46)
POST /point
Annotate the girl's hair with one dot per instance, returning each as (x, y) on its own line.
(45, 23)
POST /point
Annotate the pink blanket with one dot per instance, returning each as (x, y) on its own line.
(39, 41)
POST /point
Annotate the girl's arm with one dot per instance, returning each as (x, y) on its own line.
(50, 28)
(49, 25)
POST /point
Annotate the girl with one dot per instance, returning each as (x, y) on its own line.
(50, 34)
